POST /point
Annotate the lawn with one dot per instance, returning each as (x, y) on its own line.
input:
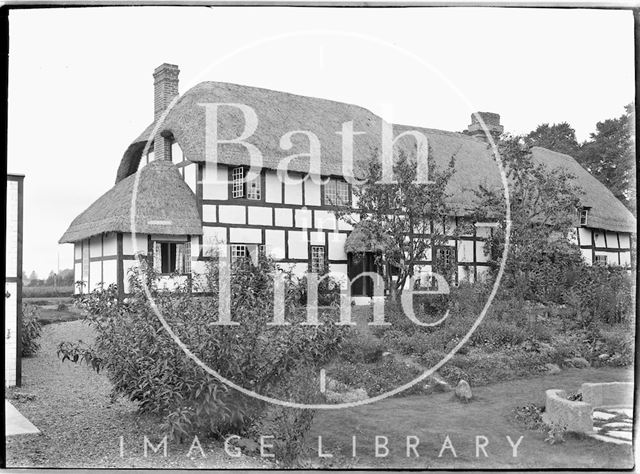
(54, 309)
(81, 426)
(432, 418)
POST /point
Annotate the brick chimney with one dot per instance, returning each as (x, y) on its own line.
(165, 89)
(491, 121)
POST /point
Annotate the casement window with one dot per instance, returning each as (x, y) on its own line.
(336, 192)
(584, 215)
(246, 251)
(241, 188)
(237, 182)
(601, 260)
(172, 257)
(317, 258)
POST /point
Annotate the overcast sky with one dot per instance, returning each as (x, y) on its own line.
(81, 87)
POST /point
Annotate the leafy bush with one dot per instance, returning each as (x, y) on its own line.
(530, 416)
(376, 378)
(145, 365)
(602, 294)
(31, 330)
(359, 347)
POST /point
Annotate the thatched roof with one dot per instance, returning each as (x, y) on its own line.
(607, 212)
(279, 113)
(164, 205)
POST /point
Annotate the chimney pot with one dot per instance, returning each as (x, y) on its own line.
(491, 121)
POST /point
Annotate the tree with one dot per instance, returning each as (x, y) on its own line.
(543, 205)
(390, 213)
(33, 276)
(610, 156)
(558, 137)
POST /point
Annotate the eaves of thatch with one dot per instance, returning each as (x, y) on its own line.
(279, 113)
(164, 204)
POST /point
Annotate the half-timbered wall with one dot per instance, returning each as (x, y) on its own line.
(290, 218)
(599, 244)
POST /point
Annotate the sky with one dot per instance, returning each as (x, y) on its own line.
(81, 86)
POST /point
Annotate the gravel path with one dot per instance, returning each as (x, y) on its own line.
(82, 428)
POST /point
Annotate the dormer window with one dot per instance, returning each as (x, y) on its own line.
(584, 216)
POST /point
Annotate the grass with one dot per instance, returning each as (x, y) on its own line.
(432, 418)
(50, 311)
(46, 291)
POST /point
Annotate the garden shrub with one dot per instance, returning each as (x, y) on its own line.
(31, 330)
(145, 365)
(359, 347)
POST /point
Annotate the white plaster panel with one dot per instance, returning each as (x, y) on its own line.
(612, 240)
(77, 251)
(209, 213)
(195, 247)
(598, 236)
(303, 218)
(110, 272)
(317, 238)
(298, 245)
(293, 193)
(95, 244)
(311, 193)
(585, 235)
(110, 244)
(215, 182)
(625, 259)
(273, 193)
(95, 275)
(586, 255)
(260, 215)
(625, 242)
(465, 251)
(275, 243)
(232, 214)
(284, 217)
(336, 246)
(325, 220)
(245, 236)
(128, 244)
(211, 238)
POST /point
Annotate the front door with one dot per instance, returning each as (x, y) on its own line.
(358, 263)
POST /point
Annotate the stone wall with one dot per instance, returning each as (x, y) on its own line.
(613, 394)
(573, 415)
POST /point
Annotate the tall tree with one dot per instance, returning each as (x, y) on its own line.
(396, 219)
(543, 204)
(558, 137)
(609, 155)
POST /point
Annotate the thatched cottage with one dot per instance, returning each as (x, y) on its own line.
(183, 203)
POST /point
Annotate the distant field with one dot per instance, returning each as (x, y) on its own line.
(46, 291)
